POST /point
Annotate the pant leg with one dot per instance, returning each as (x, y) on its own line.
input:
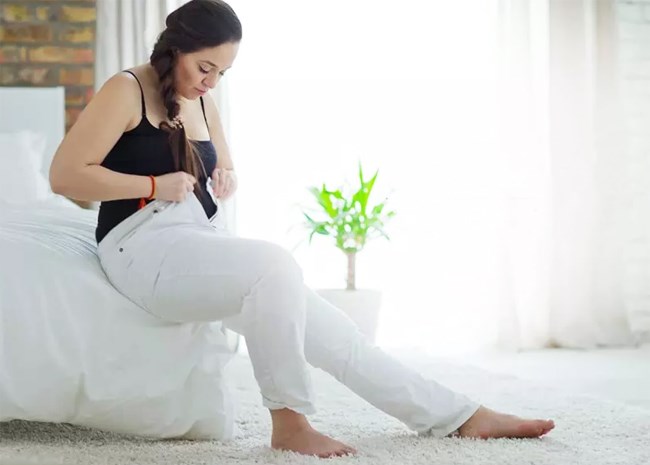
(181, 270)
(260, 285)
(334, 344)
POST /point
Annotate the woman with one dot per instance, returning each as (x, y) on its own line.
(151, 148)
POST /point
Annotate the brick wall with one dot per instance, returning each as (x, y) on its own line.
(49, 43)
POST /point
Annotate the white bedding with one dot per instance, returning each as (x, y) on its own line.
(73, 349)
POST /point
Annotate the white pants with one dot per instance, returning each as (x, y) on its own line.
(170, 260)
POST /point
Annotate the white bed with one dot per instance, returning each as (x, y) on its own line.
(72, 348)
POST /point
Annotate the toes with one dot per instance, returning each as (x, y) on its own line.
(548, 426)
(347, 450)
(341, 453)
(329, 454)
(544, 427)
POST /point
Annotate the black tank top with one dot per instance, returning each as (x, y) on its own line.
(144, 150)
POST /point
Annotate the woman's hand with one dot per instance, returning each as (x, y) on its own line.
(224, 183)
(174, 186)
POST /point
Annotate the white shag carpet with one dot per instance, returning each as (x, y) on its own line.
(589, 430)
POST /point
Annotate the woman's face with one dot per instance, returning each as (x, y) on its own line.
(199, 71)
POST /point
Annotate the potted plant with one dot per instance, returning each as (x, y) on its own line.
(350, 221)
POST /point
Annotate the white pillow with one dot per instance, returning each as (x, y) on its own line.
(21, 163)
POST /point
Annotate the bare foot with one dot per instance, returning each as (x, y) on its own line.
(311, 442)
(292, 431)
(486, 423)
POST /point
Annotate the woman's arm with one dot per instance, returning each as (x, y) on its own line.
(217, 136)
(75, 171)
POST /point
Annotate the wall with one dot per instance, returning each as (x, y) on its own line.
(634, 32)
(634, 52)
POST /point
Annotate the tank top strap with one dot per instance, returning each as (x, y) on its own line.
(204, 117)
(144, 109)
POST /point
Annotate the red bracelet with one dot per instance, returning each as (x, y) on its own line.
(143, 200)
(153, 188)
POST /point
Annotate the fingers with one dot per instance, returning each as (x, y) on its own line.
(215, 181)
(223, 183)
(184, 186)
(223, 179)
(227, 183)
(190, 181)
(232, 184)
(218, 182)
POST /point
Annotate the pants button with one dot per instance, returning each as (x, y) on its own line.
(121, 249)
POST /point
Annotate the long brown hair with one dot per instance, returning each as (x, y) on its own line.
(196, 25)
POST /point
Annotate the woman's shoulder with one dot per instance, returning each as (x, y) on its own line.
(129, 80)
(121, 84)
(119, 91)
(141, 74)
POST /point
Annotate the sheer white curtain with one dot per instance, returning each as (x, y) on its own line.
(569, 231)
(525, 230)
(590, 195)
(126, 32)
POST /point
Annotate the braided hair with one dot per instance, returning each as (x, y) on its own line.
(196, 25)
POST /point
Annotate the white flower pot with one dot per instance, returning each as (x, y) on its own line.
(361, 305)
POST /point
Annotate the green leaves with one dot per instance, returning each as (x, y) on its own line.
(349, 220)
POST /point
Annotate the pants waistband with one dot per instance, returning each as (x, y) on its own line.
(188, 211)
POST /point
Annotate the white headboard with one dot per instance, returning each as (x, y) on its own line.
(39, 109)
